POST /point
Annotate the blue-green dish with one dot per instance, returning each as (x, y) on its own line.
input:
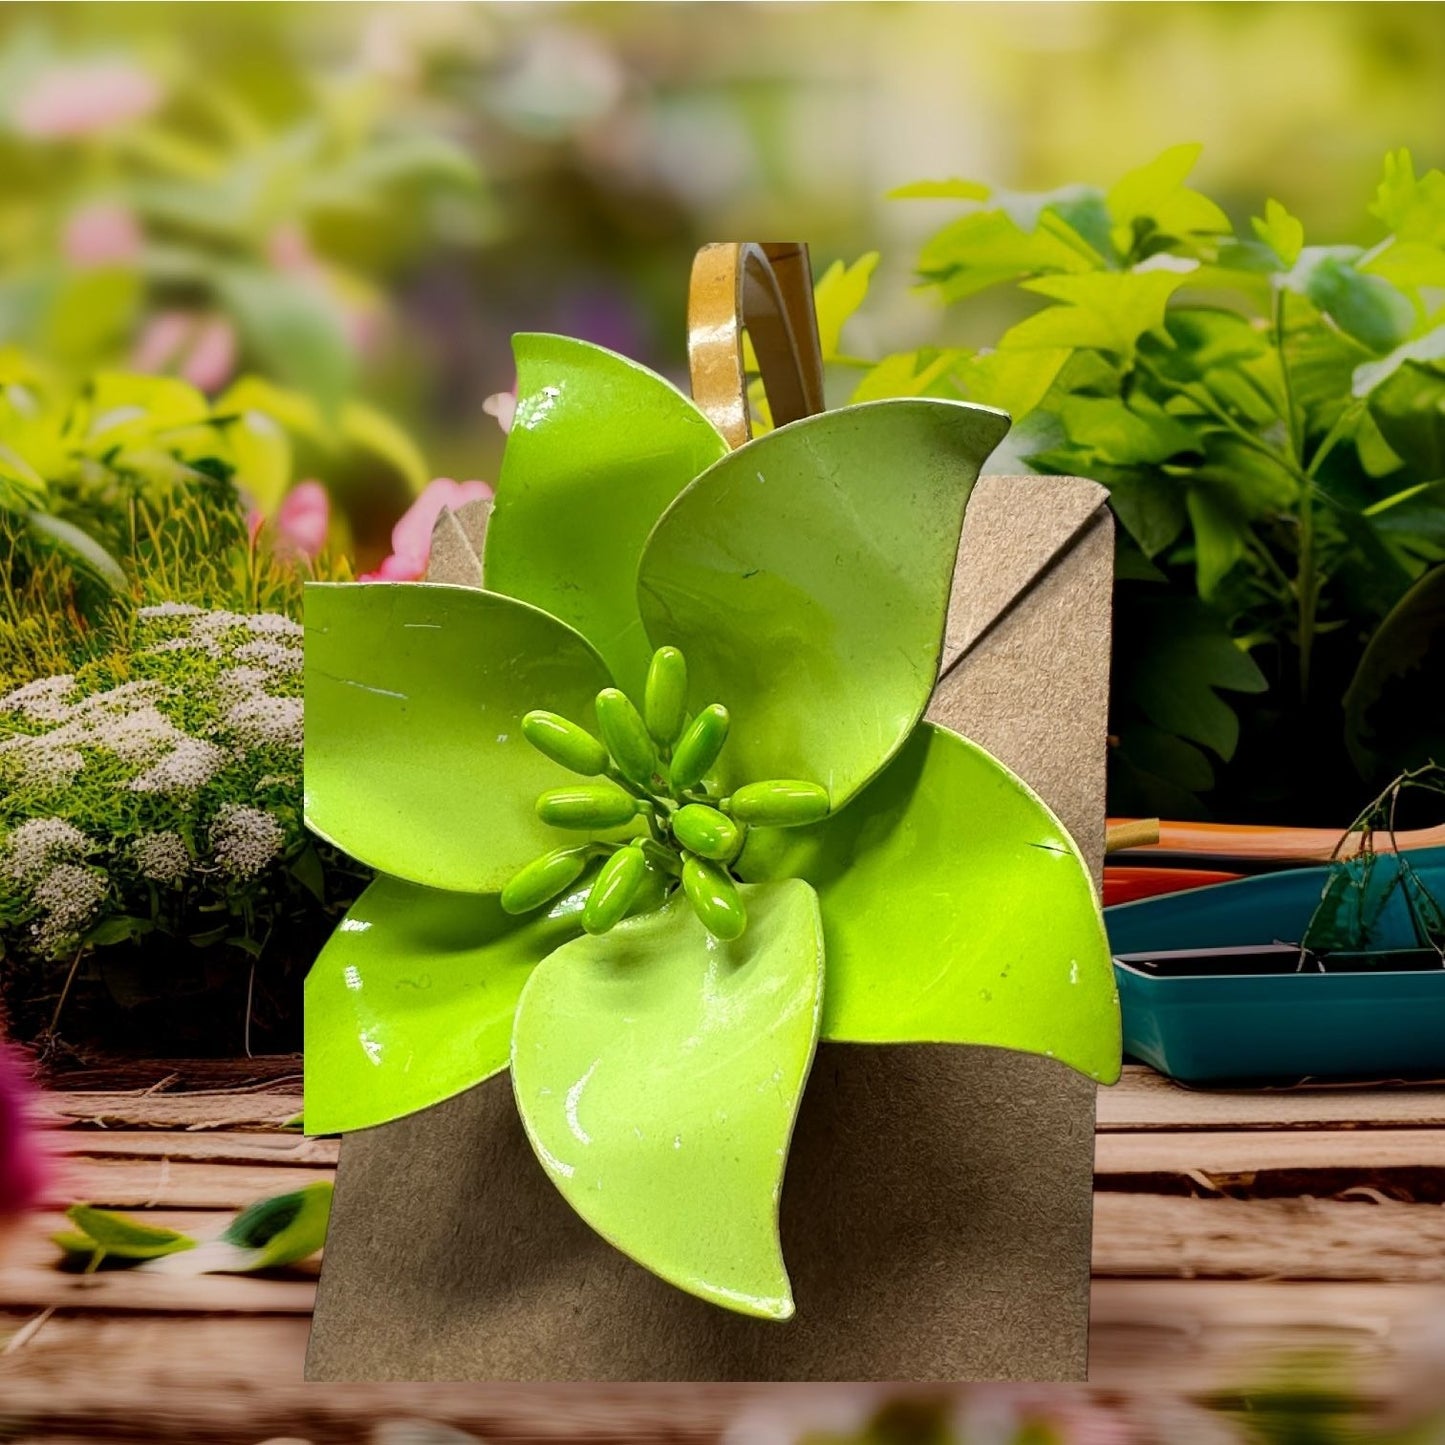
(1376, 1021)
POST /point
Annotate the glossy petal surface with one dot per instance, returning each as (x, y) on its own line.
(411, 1000)
(600, 446)
(806, 579)
(415, 759)
(658, 1073)
(956, 909)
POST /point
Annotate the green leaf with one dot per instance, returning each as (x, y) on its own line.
(294, 331)
(120, 929)
(1415, 515)
(411, 1000)
(373, 431)
(279, 1231)
(1220, 535)
(1393, 719)
(986, 248)
(1124, 434)
(1108, 310)
(1155, 197)
(25, 488)
(1283, 233)
(415, 693)
(1364, 306)
(1141, 191)
(308, 870)
(658, 1073)
(956, 909)
(1075, 214)
(1410, 265)
(125, 407)
(806, 579)
(78, 548)
(262, 454)
(1015, 382)
(1413, 209)
(1166, 760)
(1369, 376)
(1174, 657)
(907, 373)
(119, 1236)
(295, 411)
(1409, 409)
(950, 190)
(599, 448)
(1150, 506)
(840, 291)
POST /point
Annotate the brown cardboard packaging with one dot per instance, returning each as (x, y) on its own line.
(937, 1207)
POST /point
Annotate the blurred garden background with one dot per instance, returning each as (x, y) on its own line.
(259, 270)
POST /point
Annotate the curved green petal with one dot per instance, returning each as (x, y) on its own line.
(411, 1000)
(658, 1074)
(415, 759)
(956, 909)
(806, 578)
(600, 446)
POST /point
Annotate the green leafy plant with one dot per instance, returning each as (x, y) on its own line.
(1269, 417)
(643, 583)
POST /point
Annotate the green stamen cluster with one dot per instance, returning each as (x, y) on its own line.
(654, 766)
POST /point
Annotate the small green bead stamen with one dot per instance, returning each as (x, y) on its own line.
(653, 769)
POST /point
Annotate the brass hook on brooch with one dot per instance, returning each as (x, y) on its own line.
(767, 288)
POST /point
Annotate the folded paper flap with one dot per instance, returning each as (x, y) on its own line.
(1016, 529)
(456, 544)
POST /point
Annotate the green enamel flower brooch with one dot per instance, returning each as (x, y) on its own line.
(654, 810)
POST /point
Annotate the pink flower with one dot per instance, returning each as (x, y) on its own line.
(201, 348)
(212, 359)
(22, 1162)
(104, 233)
(83, 97)
(411, 537)
(503, 406)
(289, 249)
(304, 518)
(162, 338)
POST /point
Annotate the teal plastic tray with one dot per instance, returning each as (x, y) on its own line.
(1274, 1027)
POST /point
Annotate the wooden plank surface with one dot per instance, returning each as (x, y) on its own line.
(1143, 1099)
(1192, 1338)
(129, 1111)
(207, 1147)
(1231, 1228)
(1159, 1235)
(1253, 1152)
(162, 1184)
(1234, 1152)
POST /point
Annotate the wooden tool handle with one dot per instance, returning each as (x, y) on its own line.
(1138, 833)
(767, 288)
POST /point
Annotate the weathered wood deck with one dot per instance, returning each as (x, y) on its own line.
(1231, 1229)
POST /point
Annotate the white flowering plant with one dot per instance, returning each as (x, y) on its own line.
(153, 798)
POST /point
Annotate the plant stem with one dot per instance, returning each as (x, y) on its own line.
(65, 993)
(1307, 580)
